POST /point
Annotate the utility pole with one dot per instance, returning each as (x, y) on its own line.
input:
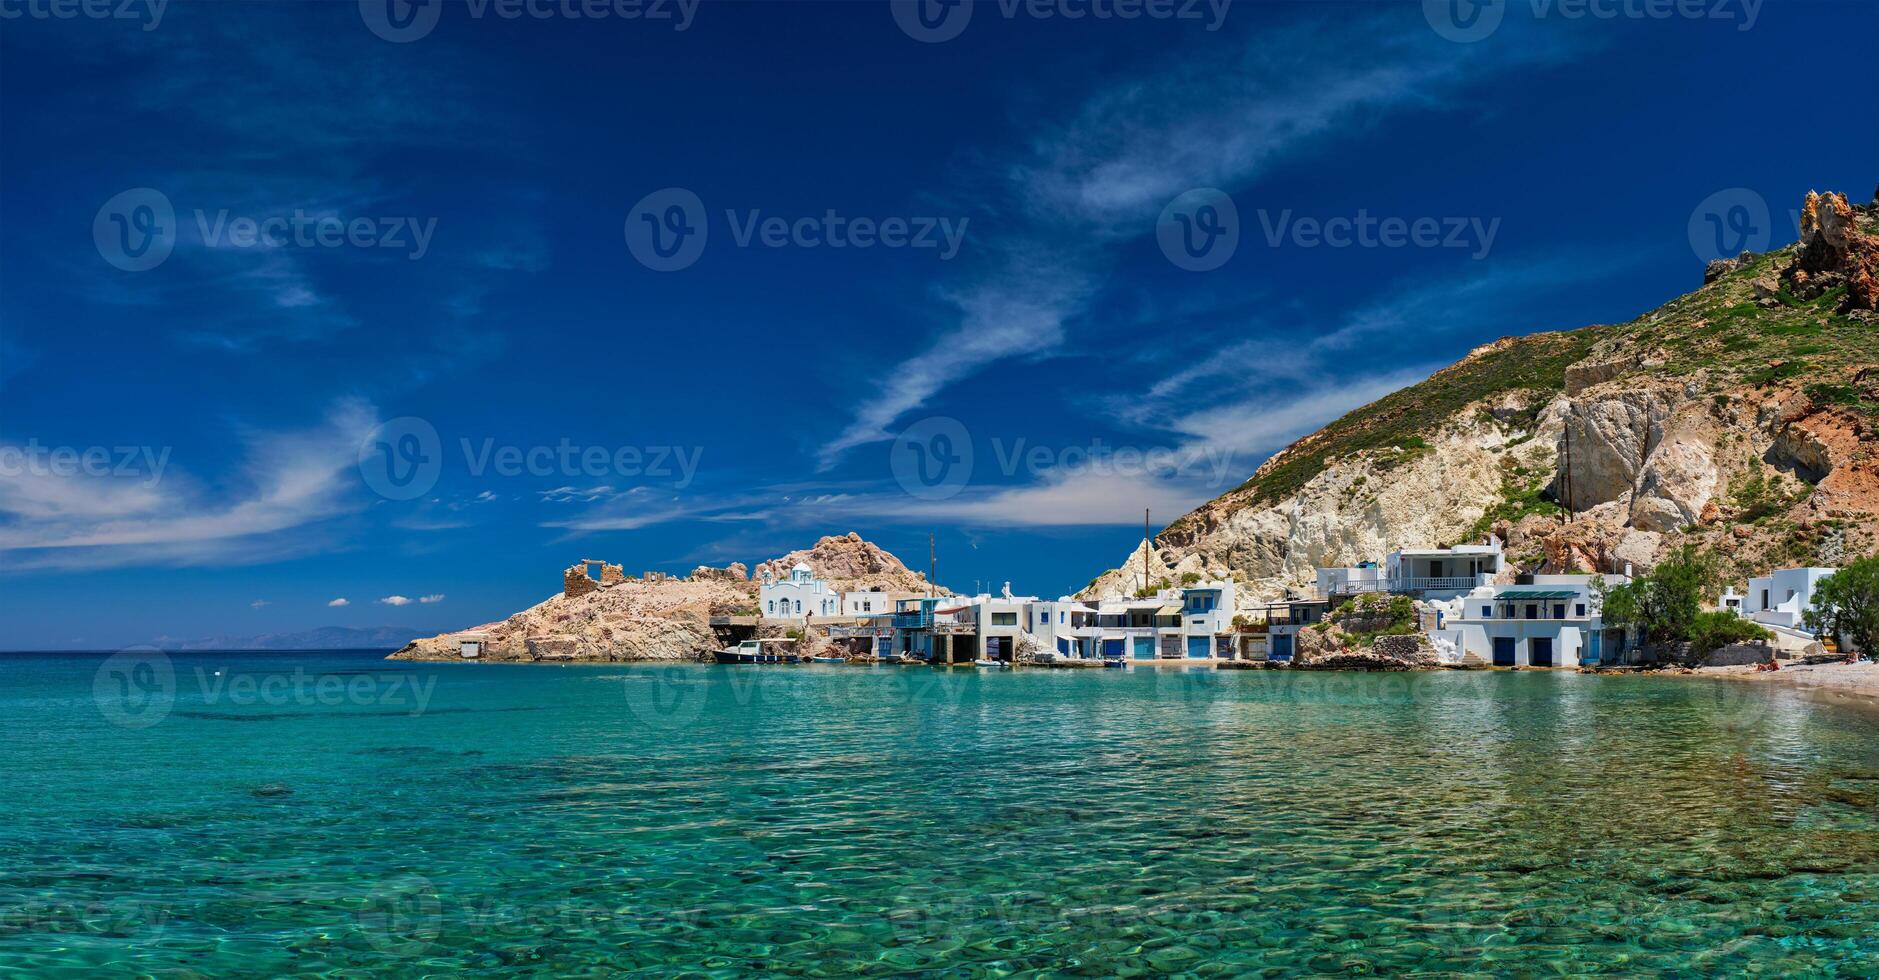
(1566, 484)
(1146, 548)
(932, 564)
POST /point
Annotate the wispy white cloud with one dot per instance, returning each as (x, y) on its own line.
(258, 603)
(1217, 117)
(395, 600)
(341, 601)
(433, 597)
(290, 480)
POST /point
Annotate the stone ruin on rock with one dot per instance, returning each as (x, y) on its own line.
(577, 581)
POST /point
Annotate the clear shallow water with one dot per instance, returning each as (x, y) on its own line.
(367, 817)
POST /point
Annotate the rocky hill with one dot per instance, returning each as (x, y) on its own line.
(619, 618)
(1739, 416)
(850, 564)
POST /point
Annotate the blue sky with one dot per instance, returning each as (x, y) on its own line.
(454, 221)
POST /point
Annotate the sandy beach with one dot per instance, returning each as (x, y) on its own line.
(1843, 682)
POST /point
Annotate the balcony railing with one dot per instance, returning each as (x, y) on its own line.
(1411, 583)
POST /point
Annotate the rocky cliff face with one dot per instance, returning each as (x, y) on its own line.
(1739, 416)
(850, 564)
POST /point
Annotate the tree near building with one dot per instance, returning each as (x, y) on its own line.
(1846, 605)
(1663, 606)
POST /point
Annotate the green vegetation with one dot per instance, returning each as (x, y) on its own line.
(1189, 578)
(1714, 629)
(1721, 331)
(1846, 604)
(1663, 605)
(1757, 497)
(1666, 606)
(1367, 617)
(1523, 493)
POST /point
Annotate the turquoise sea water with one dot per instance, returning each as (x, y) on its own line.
(333, 813)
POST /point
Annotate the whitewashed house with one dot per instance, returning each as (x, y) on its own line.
(1429, 573)
(1779, 602)
(1552, 622)
(799, 597)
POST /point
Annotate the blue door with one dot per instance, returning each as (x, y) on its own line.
(1199, 647)
(1540, 651)
(1504, 651)
(1144, 648)
(1112, 649)
(1281, 647)
(1589, 655)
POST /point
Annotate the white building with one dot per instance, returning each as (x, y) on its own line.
(1001, 619)
(1780, 601)
(1553, 622)
(1432, 573)
(856, 605)
(800, 597)
(1193, 622)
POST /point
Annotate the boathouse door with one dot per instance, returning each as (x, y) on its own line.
(1504, 651)
(1540, 651)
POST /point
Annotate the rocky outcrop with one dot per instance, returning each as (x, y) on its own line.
(1839, 247)
(625, 621)
(1595, 449)
(850, 564)
(734, 572)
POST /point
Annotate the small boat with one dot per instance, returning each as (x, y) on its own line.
(995, 664)
(828, 660)
(756, 652)
(1115, 663)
